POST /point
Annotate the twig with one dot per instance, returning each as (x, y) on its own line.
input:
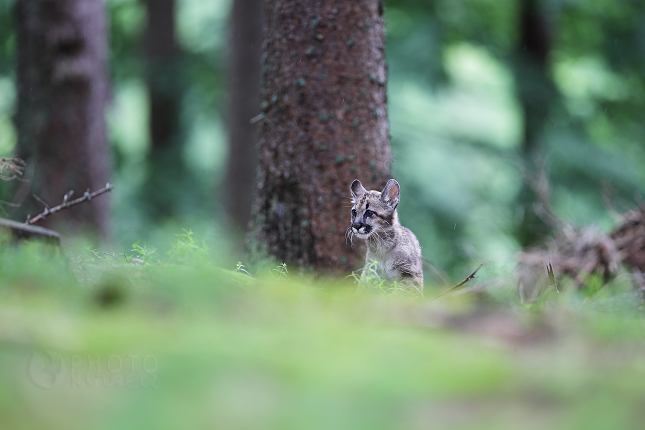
(437, 273)
(468, 278)
(11, 205)
(256, 118)
(552, 283)
(540, 185)
(41, 201)
(639, 280)
(67, 203)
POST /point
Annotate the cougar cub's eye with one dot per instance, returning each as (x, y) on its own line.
(353, 212)
(369, 213)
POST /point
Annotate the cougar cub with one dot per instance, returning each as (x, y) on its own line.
(395, 248)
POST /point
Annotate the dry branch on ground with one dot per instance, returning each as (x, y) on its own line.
(581, 252)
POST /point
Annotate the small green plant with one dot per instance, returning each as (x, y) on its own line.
(239, 267)
(187, 249)
(95, 256)
(281, 269)
(144, 253)
(368, 278)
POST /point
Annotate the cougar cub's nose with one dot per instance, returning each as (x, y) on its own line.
(357, 225)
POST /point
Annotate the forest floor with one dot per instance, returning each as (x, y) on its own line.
(105, 341)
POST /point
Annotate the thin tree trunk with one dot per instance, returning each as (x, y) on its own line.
(62, 95)
(325, 123)
(166, 172)
(244, 104)
(535, 87)
(537, 95)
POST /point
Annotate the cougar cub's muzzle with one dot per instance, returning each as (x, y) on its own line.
(360, 228)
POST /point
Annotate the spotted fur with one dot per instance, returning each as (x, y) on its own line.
(395, 248)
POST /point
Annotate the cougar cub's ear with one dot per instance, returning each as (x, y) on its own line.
(357, 189)
(390, 194)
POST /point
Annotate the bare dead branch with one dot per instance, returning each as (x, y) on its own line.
(11, 205)
(541, 186)
(42, 202)
(67, 203)
(256, 118)
(639, 280)
(436, 272)
(549, 271)
(3, 203)
(454, 287)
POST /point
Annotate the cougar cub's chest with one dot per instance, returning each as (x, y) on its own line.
(395, 248)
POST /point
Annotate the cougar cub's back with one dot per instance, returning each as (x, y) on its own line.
(394, 247)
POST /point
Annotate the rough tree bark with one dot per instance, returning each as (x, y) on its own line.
(166, 172)
(62, 95)
(325, 123)
(244, 104)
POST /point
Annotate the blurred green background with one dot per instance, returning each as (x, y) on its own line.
(467, 79)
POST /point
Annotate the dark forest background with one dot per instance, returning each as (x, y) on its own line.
(482, 95)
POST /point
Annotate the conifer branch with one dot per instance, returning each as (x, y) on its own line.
(11, 168)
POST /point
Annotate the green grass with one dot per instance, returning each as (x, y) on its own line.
(281, 351)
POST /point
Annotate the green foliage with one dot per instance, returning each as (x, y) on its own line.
(369, 279)
(281, 269)
(457, 127)
(186, 249)
(144, 253)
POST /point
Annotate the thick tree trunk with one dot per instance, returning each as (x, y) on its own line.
(325, 123)
(166, 172)
(244, 104)
(62, 94)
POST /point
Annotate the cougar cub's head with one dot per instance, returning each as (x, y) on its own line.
(373, 212)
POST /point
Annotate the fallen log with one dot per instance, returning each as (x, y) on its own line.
(19, 232)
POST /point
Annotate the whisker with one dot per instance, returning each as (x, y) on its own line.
(384, 238)
(349, 233)
(378, 239)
